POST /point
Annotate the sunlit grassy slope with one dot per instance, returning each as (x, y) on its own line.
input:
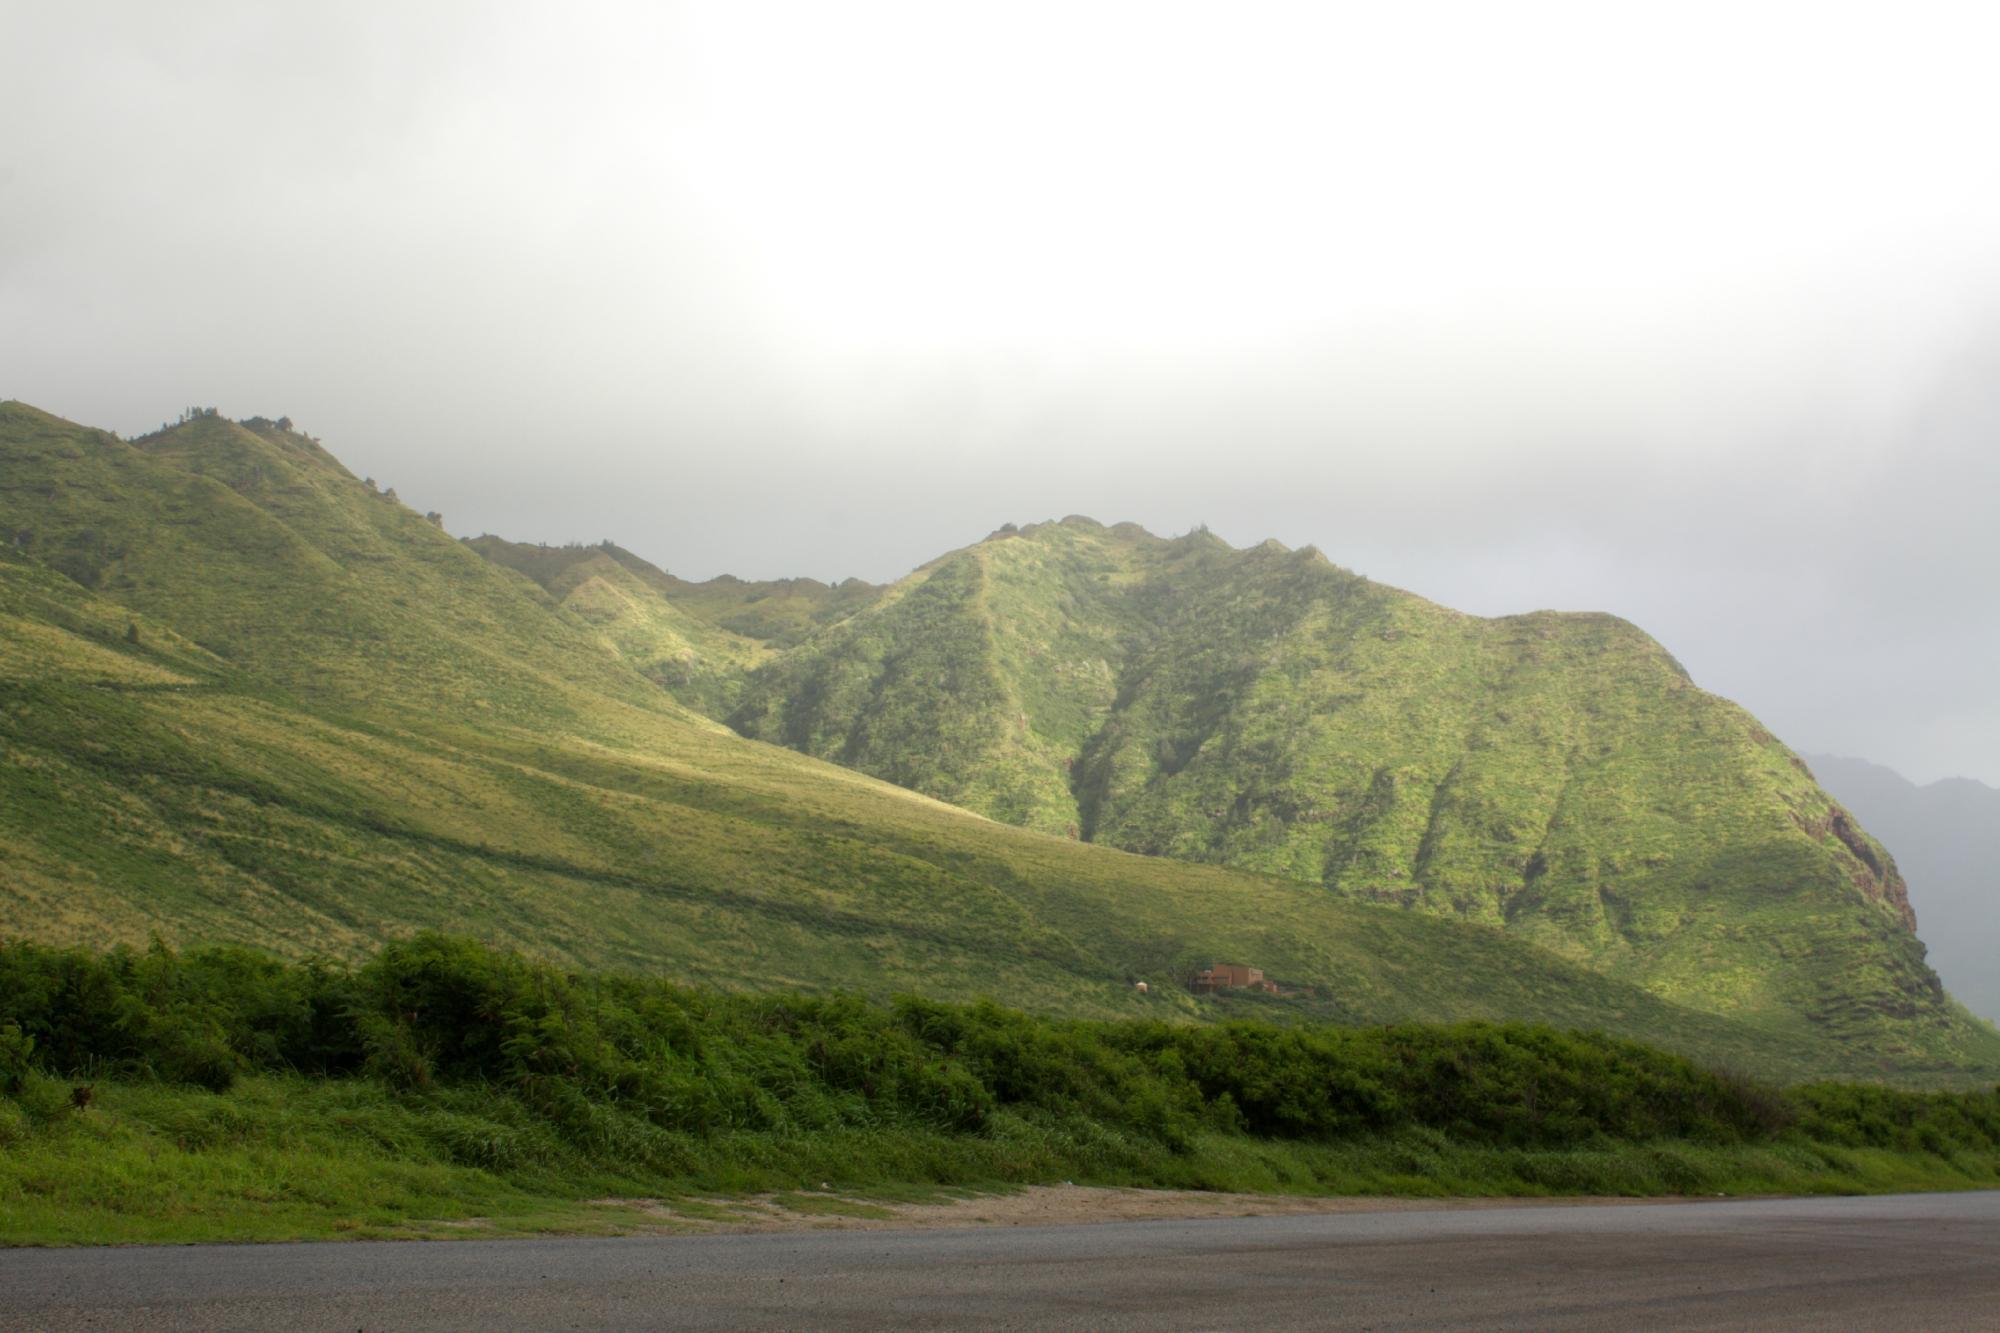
(243, 697)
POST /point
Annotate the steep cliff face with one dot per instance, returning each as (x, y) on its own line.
(1946, 837)
(1874, 873)
(1555, 775)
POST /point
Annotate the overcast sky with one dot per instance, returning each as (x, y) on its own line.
(1688, 312)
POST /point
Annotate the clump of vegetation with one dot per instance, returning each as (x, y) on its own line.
(435, 1011)
(455, 1056)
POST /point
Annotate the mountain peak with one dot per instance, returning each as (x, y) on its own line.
(1554, 774)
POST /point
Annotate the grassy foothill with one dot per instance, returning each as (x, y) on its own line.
(222, 1094)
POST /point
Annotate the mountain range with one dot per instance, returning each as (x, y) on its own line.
(1557, 776)
(245, 695)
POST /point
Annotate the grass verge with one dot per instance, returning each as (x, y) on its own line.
(286, 1157)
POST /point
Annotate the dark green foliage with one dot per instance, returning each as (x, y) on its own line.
(1858, 1115)
(17, 1057)
(434, 1013)
(200, 1018)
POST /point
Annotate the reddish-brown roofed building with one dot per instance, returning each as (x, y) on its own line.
(1231, 976)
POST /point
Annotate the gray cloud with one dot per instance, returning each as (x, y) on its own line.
(1697, 321)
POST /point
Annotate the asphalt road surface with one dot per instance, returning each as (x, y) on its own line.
(1927, 1262)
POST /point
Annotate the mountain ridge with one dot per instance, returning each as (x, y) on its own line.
(985, 681)
(280, 707)
(1553, 773)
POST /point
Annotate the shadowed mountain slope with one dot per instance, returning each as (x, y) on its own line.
(1556, 775)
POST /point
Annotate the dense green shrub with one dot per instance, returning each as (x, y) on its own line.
(17, 1051)
(642, 1061)
(1862, 1116)
(197, 1018)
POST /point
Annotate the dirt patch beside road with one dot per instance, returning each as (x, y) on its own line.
(1037, 1205)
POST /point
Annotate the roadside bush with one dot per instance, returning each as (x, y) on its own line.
(1858, 1115)
(633, 1066)
(17, 1052)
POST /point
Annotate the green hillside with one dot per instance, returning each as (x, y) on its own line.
(256, 544)
(781, 613)
(622, 597)
(1555, 775)
(246, 697)
(699, 640)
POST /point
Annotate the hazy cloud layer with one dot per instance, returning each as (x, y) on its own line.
(1691, 313)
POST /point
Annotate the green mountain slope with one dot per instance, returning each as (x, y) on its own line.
(257, 545)
(1556, 775)
(625, 599)
(780, 613)
(698, 640)
(244, 697)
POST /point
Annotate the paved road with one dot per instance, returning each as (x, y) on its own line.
(1907, 1262)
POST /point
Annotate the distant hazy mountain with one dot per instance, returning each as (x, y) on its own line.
(1946, 838)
